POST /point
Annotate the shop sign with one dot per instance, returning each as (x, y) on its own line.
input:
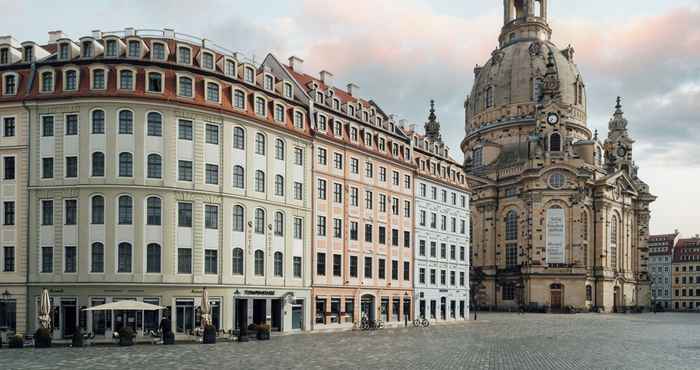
(259, 292)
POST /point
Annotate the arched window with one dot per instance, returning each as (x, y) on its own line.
(238, 218)
(260, 144)
(98, 210)
(153, 258)
(512, 225)
(238, 138)
(98, 121)
(155, 166)
(278, 262)
(47, 82)
(260, 106)
(126, 122)
(555, 142)
(238, 177)
(237, 261)
(126, 80)
(153, 211)
(537, 8)
(126, 165)
(239, 99)
(279, 223)
(259, 221)
(124, 257)
(98, 164)
(71, 82)
(279, 185)
(259, 263)
(613, 242)
(489, 97)
(97, 257)
(589, 293)
(155, 124)
(260, 181)
(212, 92)
(279, 149)
(185, 87)
(125, 210)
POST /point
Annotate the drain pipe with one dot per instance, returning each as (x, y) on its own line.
(29, 175)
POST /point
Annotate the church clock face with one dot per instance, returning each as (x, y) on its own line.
(621, 151)
(552, 118)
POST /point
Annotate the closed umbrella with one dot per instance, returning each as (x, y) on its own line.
(45, 310)
(206, 309)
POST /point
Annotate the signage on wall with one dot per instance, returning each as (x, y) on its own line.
(556, 236)
(259, 292)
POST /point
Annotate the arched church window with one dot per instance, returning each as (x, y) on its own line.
(557, 180)
(512, 225)
(584, 226)
(537, 85)
(537, 11)
(555, 142)
(489, 97)
(613, 242)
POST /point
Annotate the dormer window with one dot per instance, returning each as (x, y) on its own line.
(111, 48)
(269, 82)
(336, 104)
(338, 128)
(134, 49)
(249, 75)
(184, 87)
(47, 81)
(158, 51)
(10, 84)
(155, 82)
(298, 120)
(279, 113)
(63, 51)
(207, 60)
(395, 149)
(239, 99)
(382, 144)
(287, 90)
(213, 92)
(368, 139)
(184, 55)
(28, 54)
(319, 97)
(230, 68)
(365, 116)
(351, 110)
(4, 56)
(88, 51)
(260, 106)
(322, 123)
(126, 79)
(379, 121)
(71, 80)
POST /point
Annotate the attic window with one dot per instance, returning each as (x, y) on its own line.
(288, 90)
(87, 49)
(269, 83)
(184, 55)
(336, 104)
(63, 51)
(351, 110)
(4, 56)
(28, 54)
(230, 68)
(207, 60)
(134, 49)
(158, 52)
(248, 75)
(111, 48)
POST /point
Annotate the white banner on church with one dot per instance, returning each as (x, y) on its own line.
(556, 236)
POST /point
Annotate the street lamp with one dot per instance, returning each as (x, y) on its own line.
(405, 314)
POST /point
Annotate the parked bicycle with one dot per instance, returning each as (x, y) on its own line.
(367, 324)
(421, 322)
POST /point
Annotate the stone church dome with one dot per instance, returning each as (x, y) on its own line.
(510, 85)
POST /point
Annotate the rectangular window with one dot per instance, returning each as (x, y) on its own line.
(368, 233)
(421, 275)
(185, 130)
(353, 197)
(394, 270)
(184, 214)
(337, 265)
(337, 228)
(368, 267)
(46, 212)
(338, 161)
(395, 237)
(407, 239)
(158, 51)
(421, 248)
(70, 260)
(211, 217)
(406, 271)
(211, 265)
(297, 266)
(47, 126)
(184, 261)
(298, 228)
(321, 226)
(155, 82)
(353, 266)
(338, 193)
(46, 259)
(134, 49)
(9, 168)
(382, 235)
(71, 210)
(321, 189)
(184, 170)
(9, 126)
(212, 174)
(353, 230)
(299, 156)
(298, 191)
(111, 48)
(381, 268)
(321, 264)
(368, 199)
(322, 156)
(71, 166)
(8, 259)
(354, 165)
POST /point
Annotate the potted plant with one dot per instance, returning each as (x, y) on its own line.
(42, 338)
(15, 341)
(209, 335)
(243, 334)
(126, 336)
(262, 332)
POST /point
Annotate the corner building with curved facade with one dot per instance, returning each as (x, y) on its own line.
(559, 215)
(159, 165)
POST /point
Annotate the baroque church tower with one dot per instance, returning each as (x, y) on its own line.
(559, 218)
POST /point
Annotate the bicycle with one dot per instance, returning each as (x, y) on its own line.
(367, 324)
(421, 322)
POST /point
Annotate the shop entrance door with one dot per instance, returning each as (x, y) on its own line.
(241, 314)
(297, 316)
(276, 312)
(68, 319)
(367, 309)
(259, 311)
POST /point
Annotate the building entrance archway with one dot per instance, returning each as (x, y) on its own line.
(367, 307)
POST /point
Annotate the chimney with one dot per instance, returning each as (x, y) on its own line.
(55, 36)
(129, 31)
(96, 34)
(326, 77)
(295, 63)
(353, 89)
(403, 122)
(412, 127)
(169, 33)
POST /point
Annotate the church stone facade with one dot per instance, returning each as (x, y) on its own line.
(559, 216)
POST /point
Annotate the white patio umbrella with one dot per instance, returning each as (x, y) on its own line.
(206, 308)
(45, 309)
(125, 306)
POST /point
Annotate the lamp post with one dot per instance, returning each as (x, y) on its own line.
(405, 314)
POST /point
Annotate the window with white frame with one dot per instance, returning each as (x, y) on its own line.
(126, 79)
(70, 82)
(207, 60)
(134, 49)
(288, 90)
(298, 120)
(9, 84)
(213, 92)
(158, 51)
(185, 87)
(184, 55)
(111, 48)
(239, 99)
(260, 106)
(155, 82)
(47, 81)
(269, 83)
(230, 68)
(99, 79)
(279, 113)
(249, 75)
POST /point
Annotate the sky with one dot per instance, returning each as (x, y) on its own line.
(404, 53)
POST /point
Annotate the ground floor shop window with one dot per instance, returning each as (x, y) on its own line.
(443, 308)
(100, 321)
(349, 310)
(335, 311)
(151, 321)
(395, 308)
(453, 309)
(461, 309)
(320, 311)
(385, 309)
(184, 315)
(298, 314)
(433, 309)
(8, 315)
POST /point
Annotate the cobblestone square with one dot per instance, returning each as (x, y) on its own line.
(495, 341)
